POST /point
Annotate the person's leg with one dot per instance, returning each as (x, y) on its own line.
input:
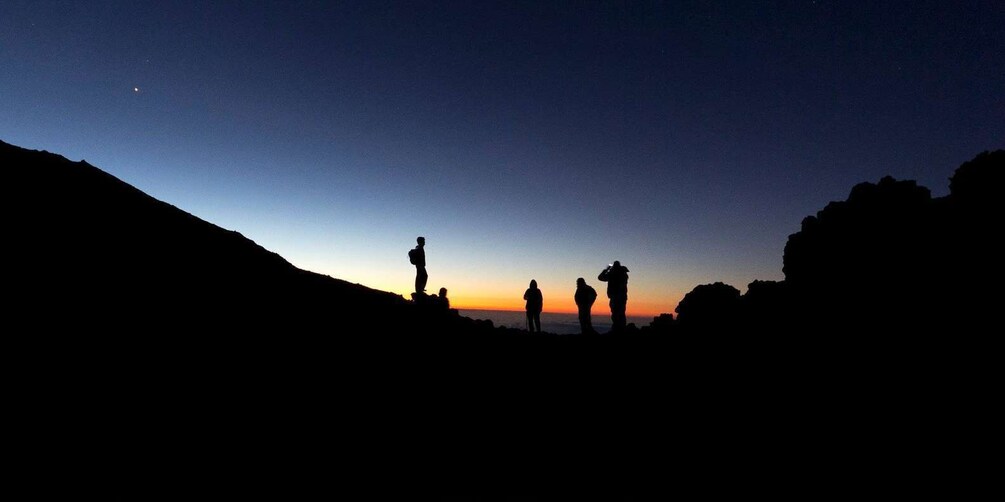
(621, 319)
(530, 321)
(537, 321)
(420, 279)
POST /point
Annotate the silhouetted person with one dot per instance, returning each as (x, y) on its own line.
(443, 300)
(585, 296)
(418, 258)
(535, 303)
(616, 278)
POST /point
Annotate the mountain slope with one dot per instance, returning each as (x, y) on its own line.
(92, 249)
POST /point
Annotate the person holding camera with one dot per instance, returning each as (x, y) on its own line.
(616, 277)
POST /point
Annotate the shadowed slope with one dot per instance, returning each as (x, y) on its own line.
(95, 250)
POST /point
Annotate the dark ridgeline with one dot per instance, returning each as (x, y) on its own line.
(888, 264)
(892, 260)
(871, 262)
(100, 253)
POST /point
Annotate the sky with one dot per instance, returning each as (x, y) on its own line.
(523, 139)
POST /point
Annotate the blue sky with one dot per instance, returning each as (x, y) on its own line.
(525, 140)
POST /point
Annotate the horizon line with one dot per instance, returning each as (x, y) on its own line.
(549, 312)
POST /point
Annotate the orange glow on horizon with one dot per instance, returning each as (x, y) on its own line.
(557, 307)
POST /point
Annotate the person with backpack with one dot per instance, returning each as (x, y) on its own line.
(585, 296)
(417, 256)
(535, 303)
(616, 277)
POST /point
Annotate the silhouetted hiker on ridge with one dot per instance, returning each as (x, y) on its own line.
(444, 302)
(417, 257)
(535, 303)
(616, 278)
(585, 296)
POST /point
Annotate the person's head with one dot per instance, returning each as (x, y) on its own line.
(533, 284)
(421, 241)
(581, 282)
(443, 292)
(616, 264)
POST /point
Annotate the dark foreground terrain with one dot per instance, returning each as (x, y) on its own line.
(148, 331)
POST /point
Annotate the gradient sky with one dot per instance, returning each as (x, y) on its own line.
(523, 139)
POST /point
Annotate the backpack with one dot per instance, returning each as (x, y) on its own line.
(413, 255)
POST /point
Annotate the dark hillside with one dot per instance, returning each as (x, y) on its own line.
(891, 260)
(95, 251)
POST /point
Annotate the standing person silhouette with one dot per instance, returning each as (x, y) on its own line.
(535, 303)
(418, 258)
(616, 278)
(585, 296)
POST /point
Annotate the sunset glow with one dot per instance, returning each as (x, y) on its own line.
(527, 140)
